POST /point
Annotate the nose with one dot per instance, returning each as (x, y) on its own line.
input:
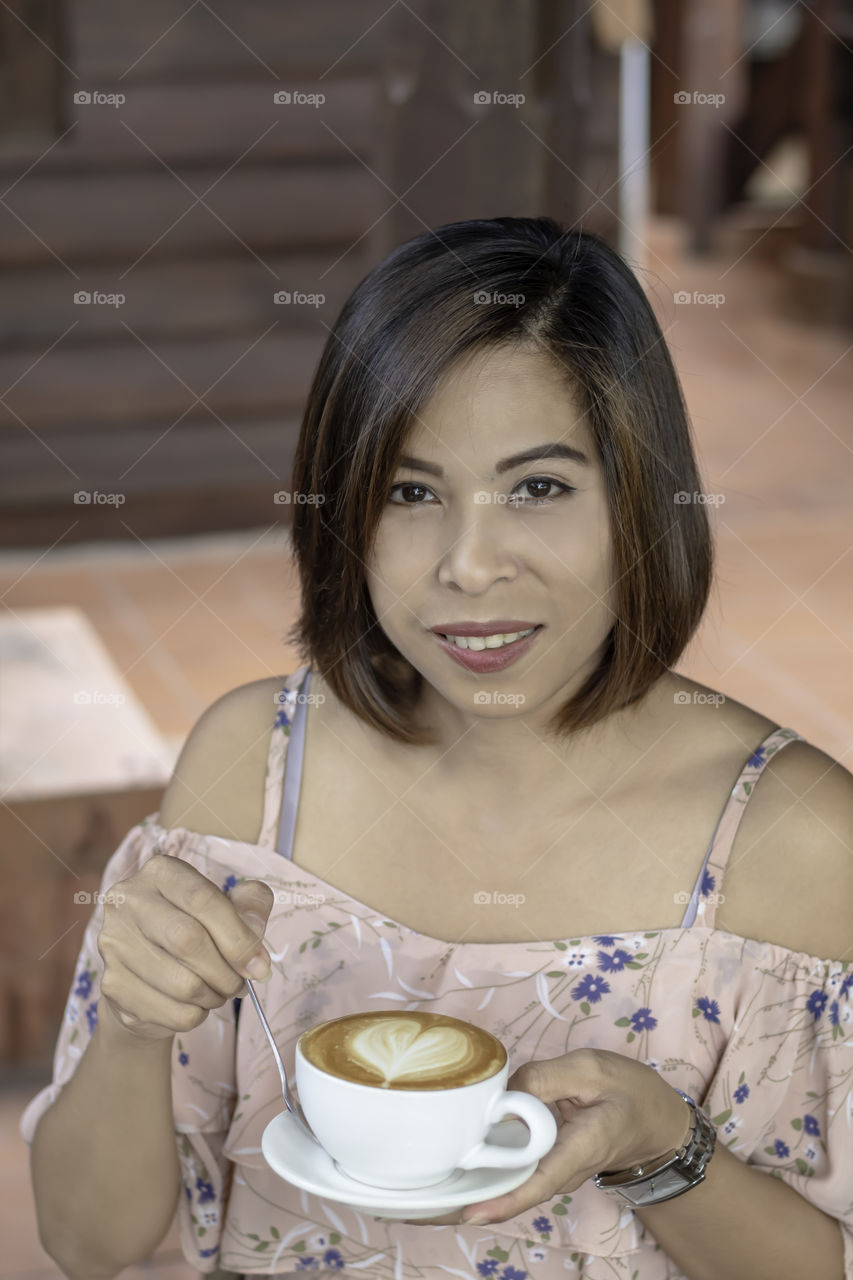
(479, 551)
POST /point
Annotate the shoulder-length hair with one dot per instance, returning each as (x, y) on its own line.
(406, 324)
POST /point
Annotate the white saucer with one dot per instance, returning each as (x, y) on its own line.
(293, 1156)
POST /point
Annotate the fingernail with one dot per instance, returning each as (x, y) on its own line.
(259, 968)
(256, 923)
(476, 1220)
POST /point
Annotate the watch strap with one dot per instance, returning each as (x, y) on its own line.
(669, 1175)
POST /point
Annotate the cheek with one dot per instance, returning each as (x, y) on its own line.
(389, 570)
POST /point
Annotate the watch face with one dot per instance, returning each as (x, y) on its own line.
(661, 1186)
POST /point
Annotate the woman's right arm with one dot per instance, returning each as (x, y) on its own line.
(104, 1161)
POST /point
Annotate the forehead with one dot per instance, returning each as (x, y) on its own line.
(499, 400)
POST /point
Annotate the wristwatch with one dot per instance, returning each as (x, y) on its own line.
(669, 1175)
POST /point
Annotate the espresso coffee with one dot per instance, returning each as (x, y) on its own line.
(410, 1050)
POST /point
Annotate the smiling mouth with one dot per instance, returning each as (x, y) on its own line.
(478, 644)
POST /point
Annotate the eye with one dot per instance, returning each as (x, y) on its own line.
(409, 486)
(545, 482)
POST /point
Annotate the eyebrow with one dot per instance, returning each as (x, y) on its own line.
(537, 454)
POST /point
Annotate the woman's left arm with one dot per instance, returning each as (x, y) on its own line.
(738, 1224)
(741, 1224)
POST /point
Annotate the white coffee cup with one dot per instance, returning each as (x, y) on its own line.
(402, 1138)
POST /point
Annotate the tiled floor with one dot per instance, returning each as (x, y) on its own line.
(769, 399)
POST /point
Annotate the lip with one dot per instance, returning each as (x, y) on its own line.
(499, 626)
(488, 661)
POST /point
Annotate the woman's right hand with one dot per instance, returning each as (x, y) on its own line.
(175, 946)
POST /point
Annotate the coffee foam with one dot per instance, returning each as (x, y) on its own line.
(410, 1050)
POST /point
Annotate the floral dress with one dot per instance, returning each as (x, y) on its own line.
(761, 1036)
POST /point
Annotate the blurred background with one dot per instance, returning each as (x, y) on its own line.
(187, 197)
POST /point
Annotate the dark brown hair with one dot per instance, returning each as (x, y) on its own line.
(406, 324)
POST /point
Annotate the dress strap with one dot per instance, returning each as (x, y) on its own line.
(277, 755)
(705, 898)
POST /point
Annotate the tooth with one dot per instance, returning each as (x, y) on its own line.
(493, 642)
(476, 643)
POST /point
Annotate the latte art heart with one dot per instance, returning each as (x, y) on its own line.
(389, 1049)
(400, 1049)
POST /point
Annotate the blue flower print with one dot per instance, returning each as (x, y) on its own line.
(642, 1020)
(780, 1149)
(810, 1125)
(708, 883)
(833, 1013)
(591, 988)
(614, 963)
(229, 884)
(310, 1263)
(281, 721)
(92, 1016)
(183, 1058)
(84, 984)
(604, 940)
(333, 1258)
(741, 1093)
(845, 987)
(543, 1224)
(512, 1273)
(709, 1008)
(756, 759)
(208, 1253)
(488, 1267)
(816, 1004)
(205, 1191)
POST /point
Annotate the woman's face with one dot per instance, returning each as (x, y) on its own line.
(466, 538)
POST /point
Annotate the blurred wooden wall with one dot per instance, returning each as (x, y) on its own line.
(197, 198)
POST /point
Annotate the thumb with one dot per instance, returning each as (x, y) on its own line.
(253, 901)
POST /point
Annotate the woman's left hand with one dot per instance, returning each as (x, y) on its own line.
(616, 1112)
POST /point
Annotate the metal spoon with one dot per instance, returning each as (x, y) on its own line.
(290, 1101)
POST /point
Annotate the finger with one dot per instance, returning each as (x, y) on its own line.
(214, 933)
(136, 1002)
(569, 1163)
(577, 1076)
(161, 971)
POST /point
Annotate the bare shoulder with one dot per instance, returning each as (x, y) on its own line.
(790, 873)
(217, 787)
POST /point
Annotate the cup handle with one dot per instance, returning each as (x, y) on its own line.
(537, 1117)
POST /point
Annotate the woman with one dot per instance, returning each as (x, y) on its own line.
(529, 831)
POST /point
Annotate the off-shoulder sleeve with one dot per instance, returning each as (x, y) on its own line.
(782, 1097)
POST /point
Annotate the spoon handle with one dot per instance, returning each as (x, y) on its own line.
(271, 1038)
(289, 1101)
